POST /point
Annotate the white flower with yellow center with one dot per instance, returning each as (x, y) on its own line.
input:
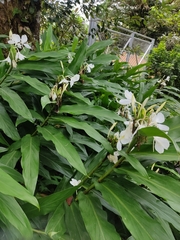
(156, 120)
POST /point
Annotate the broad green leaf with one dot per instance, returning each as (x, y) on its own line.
(59, 55)
(151, 203)
(45, 100)
(145, 153)
(78, 60)
(7, 125)
(96, 111)
(104, 59)
(42, 66)
(56, 224)
(11, 210)
(49, 203)
(15, 102)
(34, 82)
(9, 186)
(95, 218)
(12, 172)
(63, 147)
(135, 163)
(3, 140)
(174, 127)
(153, 131)
(74, 223)
(86, 127)
(74, 43)
(10, 158)
(78, 96)
(98, 46)
(30, 161)
(137, 221)
(163, 186)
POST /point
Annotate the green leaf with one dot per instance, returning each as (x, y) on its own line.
(104, 59)
(56, 224)
(153, 131)
(95, 218)
(48, 204)
(11, 210)
(152, 204)
(63, 147)
(10, 158)
(86, 127)
(135, 163)
(74, 223)
(78, 60)
(59, 55)
(174, 127)
(30, 161)
(45, 100)
(161, 185)
(15, 102)
(145, 153)
(12, 172)
(98, 46)
(34, 82)
(7, 125)
(138, 222)
(78, 96)
(9, 186)
(96, 111)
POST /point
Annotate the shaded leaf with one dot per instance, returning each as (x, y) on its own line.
(7, 125)
(95, 218)
(74, 223)
(56, 224)
(86, 127)
(138, 222)
(11, 210)
(30, 161)
(96, 111)
(63, 147)
(15, 102)
(161, 185)
(9, 186)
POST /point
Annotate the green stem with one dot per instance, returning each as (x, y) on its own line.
(39, 231)
(105, 174)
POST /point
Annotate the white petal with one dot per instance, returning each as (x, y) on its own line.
(128, 94)
(116, 135)
(27, 45)
(119, 145)
(20, 56)
(16, 38)
(161, 144)
(163, 127)
(74, 182)
(74, 79)
(125, 101)
(160, 118)
(64, 81)
(24, 39)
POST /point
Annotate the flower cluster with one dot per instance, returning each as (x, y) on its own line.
(139, 117)
(17, 44)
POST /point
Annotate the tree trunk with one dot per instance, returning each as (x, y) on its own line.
(20, 16)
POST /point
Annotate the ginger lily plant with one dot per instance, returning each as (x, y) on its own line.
(76, 157)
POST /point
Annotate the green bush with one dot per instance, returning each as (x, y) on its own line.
(71, 166)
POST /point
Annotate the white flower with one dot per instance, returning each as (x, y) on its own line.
(130, 99)
(74, 79)
(161, 144)
(113, 158)
(124, 137)
(19, 41)
(156, 120)
(75, 182)
(89, 67)
(64, 81)
(70, 58)
(19, 56)
(8, 60)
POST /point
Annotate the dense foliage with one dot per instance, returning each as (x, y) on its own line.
(71, 166)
